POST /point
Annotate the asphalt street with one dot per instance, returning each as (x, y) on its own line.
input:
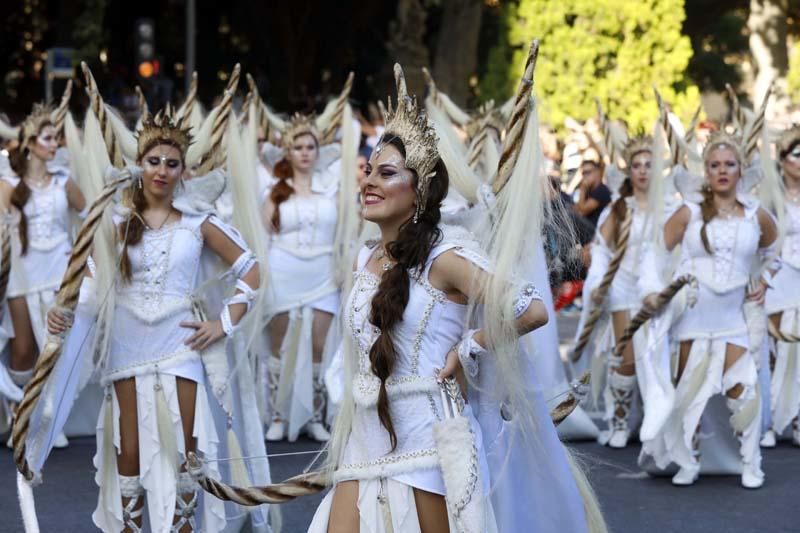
(632, 501)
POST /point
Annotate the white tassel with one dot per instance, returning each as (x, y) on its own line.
(166, 431)
(239, 475)
(27, 505)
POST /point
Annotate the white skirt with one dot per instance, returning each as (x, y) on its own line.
(161, 454)
(396, 514)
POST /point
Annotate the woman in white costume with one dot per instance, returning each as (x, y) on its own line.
(39, 200)
(722, 232)
(623, 299)
(399, 461)
(304, 216)
(783, 303)
(165, 363)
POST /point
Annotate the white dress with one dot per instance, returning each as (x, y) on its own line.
(623, 295)
(784, 297)
(716, 320)
(431, 325)
(302, 280)
(36, 275)
(147, 344)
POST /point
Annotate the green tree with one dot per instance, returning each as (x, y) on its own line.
(793, 79)
(616, 50)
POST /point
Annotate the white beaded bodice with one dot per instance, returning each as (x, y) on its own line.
(165, 268)
(790, 251)
(430, 326)
(308, 225)
(47, 213)
(734, 244)
(164, 265)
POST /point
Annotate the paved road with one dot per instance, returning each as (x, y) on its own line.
(633, 503)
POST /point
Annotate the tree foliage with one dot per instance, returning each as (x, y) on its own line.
(616, 50)
(793, 79)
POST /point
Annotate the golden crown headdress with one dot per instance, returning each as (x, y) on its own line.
(722, 138)
(161, 129)
(40, 116)
(409, 123)
(636, 145)
(787, 139)
(299, 124)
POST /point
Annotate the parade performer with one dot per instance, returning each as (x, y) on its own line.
(39, 198)
(629, 214)
(722, 232)
(408, 454)
(174, 382)
(782, 301)
(310, 212)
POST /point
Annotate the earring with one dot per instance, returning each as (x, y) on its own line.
(28, 157)
(139, 182)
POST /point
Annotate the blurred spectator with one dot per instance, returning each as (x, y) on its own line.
(594, 196)
(361, 164)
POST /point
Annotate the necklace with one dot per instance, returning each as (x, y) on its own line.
(381, 253)
(793, 195)
(160, 225)
(726, 212)
(38, 183)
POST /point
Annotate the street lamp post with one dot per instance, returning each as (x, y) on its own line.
(190, 44)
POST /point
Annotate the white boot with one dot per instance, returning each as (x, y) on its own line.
(277, 429)
(315, 429)
(687, 475)
(622, 389)
(752, 475)
(768, 440)
(185, 503)
(61, 441)
(131, 489)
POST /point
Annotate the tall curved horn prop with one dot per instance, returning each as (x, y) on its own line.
(59, 114)
(99, 109)
(675, 150)
(605, 127)
(515, 128)
(690, 133)
(214, 156)
(754, 129)
(644, 315)
(185, 110)
(433, 91)
(738, 114)
(144, 110)
(67, 301)
(329, 130)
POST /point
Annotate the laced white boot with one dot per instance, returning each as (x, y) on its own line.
(277, 429)
(316, 428)
(131, 489)
(752, 475)
(185, 508)
(622, 389)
